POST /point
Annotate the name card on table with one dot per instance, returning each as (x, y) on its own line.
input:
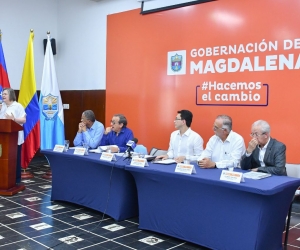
(185, 168)
(139, 162)
(59, 148)
(107, 156)
(231, 176)
(79, 151)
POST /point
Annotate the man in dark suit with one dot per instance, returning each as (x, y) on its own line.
(264, 154)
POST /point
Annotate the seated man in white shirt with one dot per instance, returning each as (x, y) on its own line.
(224, 145)
(184, 142)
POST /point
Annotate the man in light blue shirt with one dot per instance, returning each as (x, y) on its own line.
(90, 131)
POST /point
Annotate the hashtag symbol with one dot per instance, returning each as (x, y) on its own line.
(204, 85)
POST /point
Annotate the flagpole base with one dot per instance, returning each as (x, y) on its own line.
(26, 175)
(48, 175)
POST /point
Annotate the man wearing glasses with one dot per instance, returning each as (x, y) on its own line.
(264, 154)
(224, 145)
(117, 134)
(184, 142)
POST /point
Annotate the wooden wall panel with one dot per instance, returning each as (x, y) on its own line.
(79, 101)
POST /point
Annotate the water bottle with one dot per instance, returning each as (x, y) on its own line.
(86, 146)
(229, 162)
(187, 159)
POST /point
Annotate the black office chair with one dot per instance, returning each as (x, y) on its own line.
(292, 171)
(157, 152)
(287, 227)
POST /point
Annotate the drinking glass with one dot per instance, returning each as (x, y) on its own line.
(86, 146)
(141, 155)
(229, 165)
(67, 144)
(108, 150)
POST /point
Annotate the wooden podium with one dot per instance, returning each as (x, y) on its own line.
(8, 157)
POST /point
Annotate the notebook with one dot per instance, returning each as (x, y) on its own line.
(256, 175)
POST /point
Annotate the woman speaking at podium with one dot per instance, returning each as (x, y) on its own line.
(10, 109)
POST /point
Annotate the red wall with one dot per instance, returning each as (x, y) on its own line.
(139, 86)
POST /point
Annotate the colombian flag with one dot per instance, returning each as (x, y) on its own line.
(28, 98)
(4, 82)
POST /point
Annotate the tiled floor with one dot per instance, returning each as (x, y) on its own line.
(30, 220)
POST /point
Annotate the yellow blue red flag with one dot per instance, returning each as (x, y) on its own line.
(28, 98)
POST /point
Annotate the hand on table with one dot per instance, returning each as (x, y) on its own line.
(113, 149)
(179, 159)
(162, 157)
(206, 163)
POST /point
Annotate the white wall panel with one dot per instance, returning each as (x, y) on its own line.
(79, 27)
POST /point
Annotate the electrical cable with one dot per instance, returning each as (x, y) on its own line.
(104, 213)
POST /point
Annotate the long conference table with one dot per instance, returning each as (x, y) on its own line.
(90, 182)
(202, 209)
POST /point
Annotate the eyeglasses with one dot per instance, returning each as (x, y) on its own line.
(113, 122)
(216, 128)
(178, 119)
(256, 134)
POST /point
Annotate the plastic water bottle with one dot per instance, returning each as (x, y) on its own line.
(86, 146)
(187, 159)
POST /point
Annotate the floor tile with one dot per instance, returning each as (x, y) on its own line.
(30, 220)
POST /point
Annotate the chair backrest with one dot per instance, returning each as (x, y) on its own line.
(293, 170)
(157, 152)
(140, 149)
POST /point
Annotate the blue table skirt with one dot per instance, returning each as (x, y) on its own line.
(217, 214)
(87, 181)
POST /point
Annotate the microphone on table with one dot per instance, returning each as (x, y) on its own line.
(131, 144)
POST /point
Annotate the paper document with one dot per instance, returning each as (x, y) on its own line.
(97, 150)
(104, 148)
(256, 175)
(100, 149)
(167, 161)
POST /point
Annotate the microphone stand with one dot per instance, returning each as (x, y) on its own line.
(129, 155)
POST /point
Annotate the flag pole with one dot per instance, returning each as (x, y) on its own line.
(0, 35)
(48, 174)
(27, 174)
